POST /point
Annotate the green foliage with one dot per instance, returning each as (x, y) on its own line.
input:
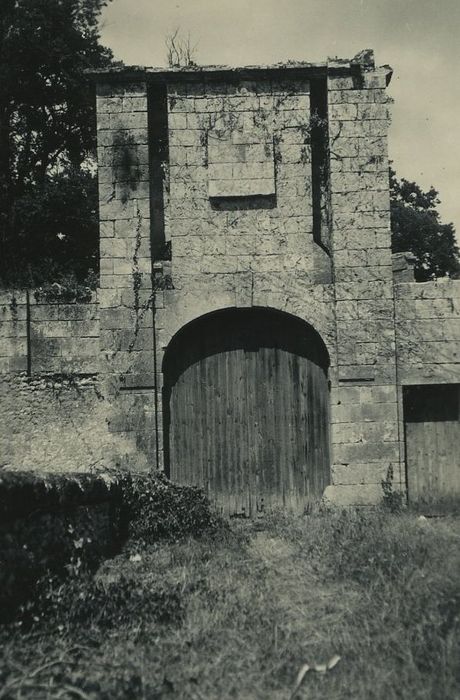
(388, 555)
(362, 547)
(59, 536)
(392, 500)
(56, 228)
(52, 525)
(48, 201)
(416, 227)
(406, 573)
(46, 529)
(69, 289)
(85, 601)
(158, 509)
(32, 547)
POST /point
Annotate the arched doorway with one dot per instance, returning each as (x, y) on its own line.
(246, 409)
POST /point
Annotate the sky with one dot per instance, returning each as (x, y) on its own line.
(420, 39)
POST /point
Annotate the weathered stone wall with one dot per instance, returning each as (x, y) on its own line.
(58, 424)
(254, 136)
(365, 428)
(52, 413)
(428, 332)
(14, 350)
(223, 189)
(220, 164)
(251, 139)
(238, 207)
(48, 338)
(126, 296)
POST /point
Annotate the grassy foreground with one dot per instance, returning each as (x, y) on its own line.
(237, 615)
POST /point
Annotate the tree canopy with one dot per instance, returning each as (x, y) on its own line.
(48, 197)
(416, 227)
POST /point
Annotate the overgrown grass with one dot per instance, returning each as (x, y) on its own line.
(236, 614)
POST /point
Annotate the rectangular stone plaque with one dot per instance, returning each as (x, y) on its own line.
(239, 169)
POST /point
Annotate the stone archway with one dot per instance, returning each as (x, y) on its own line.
(246, 410)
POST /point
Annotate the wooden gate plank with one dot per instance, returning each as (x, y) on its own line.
(432, 431)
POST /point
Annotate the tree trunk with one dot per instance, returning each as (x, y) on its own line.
(6, 198)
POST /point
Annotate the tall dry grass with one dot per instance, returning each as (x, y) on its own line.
(246, 609)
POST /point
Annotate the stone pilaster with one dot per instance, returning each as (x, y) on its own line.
(126, 295)
(365, 431)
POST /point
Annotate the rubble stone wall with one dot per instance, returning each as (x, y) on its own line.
(53, 417)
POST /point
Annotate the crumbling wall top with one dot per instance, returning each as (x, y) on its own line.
(363, 61)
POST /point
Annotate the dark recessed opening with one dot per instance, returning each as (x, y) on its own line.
(159, 162)
(319, 161)
(431, 403)
(262, 201)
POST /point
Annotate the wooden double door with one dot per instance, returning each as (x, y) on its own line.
(246, 408)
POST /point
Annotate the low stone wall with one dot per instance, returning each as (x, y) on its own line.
(428, 332)
(47, 523)
(47, 337)
(58, 424)
(54, 417)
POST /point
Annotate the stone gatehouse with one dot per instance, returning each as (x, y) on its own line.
(256, 336)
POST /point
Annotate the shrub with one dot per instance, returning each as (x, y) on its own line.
(84, 601)
(155, 508)
(70, 525)
(69, 289)
(392, 500)
(47, 524)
